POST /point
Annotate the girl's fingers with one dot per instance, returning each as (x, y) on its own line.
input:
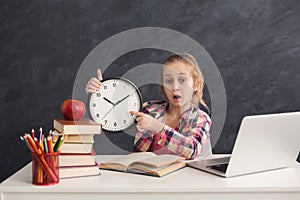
(138, 119)
(95, 82)
(136, 113)
(93, 87)
(132, 112)
(88, 90)
(99, 74)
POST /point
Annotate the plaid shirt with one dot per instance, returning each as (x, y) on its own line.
(193, 131)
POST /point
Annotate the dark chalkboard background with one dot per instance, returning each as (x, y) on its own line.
(255, 44)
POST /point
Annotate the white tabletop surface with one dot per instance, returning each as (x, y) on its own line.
(185, 181)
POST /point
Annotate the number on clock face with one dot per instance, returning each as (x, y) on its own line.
(111, 105)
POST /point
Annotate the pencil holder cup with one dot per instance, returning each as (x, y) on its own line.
(45, 168)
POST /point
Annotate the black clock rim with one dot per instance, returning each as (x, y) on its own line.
(137, 90)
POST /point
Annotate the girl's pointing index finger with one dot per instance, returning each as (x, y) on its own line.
(136, 113)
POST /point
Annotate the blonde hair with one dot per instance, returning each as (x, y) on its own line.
(198, 80)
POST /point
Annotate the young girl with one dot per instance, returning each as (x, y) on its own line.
(177, 125)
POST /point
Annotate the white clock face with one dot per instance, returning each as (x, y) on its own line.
(111, 105)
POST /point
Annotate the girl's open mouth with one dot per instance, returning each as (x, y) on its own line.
(177, 97)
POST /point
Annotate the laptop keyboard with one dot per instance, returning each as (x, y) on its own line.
(219, 167)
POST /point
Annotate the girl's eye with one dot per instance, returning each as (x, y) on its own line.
(181, 80)
(168, 81)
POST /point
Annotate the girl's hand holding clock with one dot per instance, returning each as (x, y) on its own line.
(94, 84)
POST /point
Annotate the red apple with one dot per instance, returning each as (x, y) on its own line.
(72, 109)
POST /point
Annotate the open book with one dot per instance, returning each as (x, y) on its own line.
(145, 163)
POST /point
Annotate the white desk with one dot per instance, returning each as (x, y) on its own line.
(187, 183)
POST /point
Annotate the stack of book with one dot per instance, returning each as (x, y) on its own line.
(76, 154)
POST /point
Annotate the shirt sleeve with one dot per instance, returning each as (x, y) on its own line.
(189, 142)
(143, 139)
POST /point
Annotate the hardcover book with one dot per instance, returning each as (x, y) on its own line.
(68, 160)
(75, 138)
(83, 126)
(147, 163)
(76, 148)
(71, 172)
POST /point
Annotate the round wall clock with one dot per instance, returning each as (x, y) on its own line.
(110, 106)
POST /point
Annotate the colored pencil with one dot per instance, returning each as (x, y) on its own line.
(38, 144)
(50, 146)
(24, 141)
(41, 132)
(32, 144)
(51, 134)
(46, 145)
(32, 133)
(63, 141)
(58, 142)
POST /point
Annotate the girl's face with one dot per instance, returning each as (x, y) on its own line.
(178, 84)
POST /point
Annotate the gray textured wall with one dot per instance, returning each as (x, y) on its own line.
(255, 44)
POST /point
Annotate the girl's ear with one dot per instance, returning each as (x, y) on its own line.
(196, 85)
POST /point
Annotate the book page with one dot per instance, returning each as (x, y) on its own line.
(156, 171)
(159, 161)
(127, 159)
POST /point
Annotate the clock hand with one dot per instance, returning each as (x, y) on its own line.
(122, 100)
(114, 104)
(109, 101)
(108, 112)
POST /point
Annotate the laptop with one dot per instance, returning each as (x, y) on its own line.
(264, 142)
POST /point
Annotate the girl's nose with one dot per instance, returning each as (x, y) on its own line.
(175, 86)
